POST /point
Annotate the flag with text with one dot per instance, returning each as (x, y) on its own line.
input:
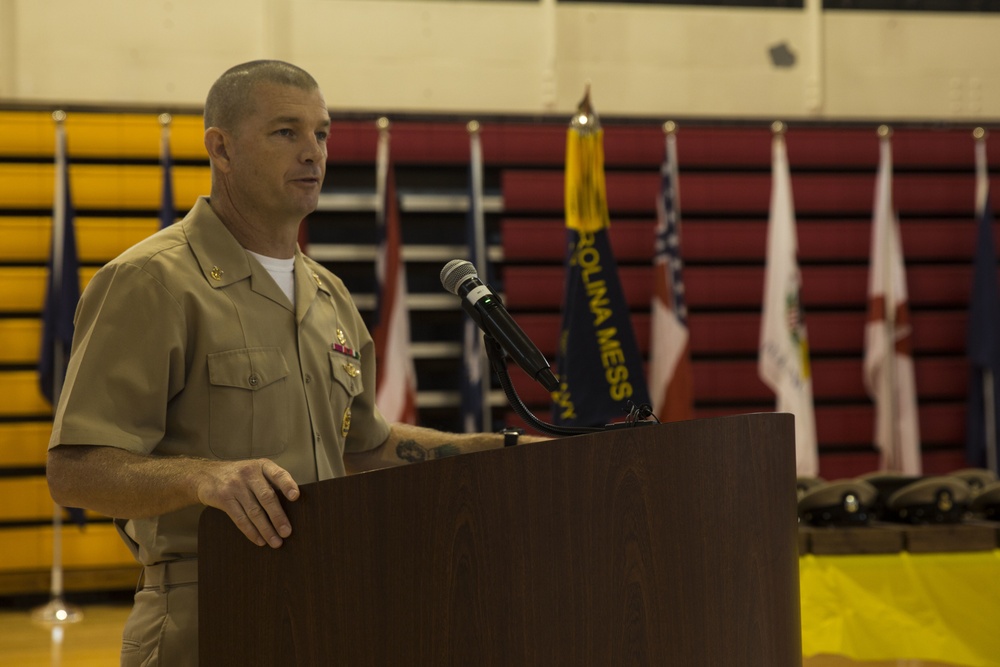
(598, 361)
(783, 360)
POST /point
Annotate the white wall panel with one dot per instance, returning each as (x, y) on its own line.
(512, 57)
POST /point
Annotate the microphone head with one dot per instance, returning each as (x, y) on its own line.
(455, 273)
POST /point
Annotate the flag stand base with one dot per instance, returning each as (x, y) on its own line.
(56, 612)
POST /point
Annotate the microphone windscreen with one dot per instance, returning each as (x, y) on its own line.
(455, 273)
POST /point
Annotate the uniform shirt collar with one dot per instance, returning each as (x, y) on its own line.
(223, 261)
(220, 256)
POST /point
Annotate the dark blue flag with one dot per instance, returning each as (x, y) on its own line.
(62, 290)
(598, 362)
(983, 344)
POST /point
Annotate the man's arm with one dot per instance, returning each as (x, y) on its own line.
(411, 444)
(121, 484)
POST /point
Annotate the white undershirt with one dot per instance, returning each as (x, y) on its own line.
(282, 270)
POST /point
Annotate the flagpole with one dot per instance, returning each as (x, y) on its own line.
(480, 260)
(165, 120)
(381, 185)
(894, 456)
(989, 407)
(57, 612)
(167, 212)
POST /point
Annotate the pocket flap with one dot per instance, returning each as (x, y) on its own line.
(251, 368)
(347, 373)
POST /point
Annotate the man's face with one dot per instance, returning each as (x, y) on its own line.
(278, 156)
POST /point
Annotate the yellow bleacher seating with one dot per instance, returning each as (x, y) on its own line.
(23, 444)
(98, 239)
(101, 186)
(30, 547)
(115, 181)
(20, 339)
(25, 499)
(100, 135)
(22, 396)
(22, 288)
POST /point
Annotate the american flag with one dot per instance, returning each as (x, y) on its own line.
(668, 244)
(671, 385)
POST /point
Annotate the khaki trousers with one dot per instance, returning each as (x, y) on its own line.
(162, 629)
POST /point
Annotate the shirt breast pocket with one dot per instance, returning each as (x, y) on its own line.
(346, 373)
(249, 403)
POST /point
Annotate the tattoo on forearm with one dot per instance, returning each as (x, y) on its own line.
(412, 451)
(409, 450)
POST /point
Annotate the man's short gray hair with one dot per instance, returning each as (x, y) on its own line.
(230, 99)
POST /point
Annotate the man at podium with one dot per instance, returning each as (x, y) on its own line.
(216, 365)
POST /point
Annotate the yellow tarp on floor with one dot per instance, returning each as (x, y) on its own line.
(940, 607)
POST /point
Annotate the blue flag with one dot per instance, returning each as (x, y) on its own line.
(62, 291)
(598, 362)
(476, 416)
(983, 343)
(168, 214)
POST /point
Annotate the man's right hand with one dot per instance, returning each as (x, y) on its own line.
(248, 492)
(122, 484)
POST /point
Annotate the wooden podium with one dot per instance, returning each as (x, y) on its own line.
(673, 544)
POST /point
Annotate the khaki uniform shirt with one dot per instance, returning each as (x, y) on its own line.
(185, 345)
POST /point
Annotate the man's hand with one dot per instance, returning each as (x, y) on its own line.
(248, 492)
(122, 484)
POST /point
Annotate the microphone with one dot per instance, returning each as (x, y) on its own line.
(459, 277)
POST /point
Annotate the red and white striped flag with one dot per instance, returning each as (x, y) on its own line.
(396, 378)
(670, 381)
(783, 363)
(888, 367)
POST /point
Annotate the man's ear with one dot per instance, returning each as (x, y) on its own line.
(218, 144)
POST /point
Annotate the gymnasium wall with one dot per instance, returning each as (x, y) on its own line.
(519, 67)
(517, 57)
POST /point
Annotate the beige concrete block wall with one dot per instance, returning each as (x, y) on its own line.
(513, 57)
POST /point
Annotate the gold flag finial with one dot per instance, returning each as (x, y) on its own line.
(585, 119)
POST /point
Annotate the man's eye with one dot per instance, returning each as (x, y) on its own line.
(322, 136)
(285, 132)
